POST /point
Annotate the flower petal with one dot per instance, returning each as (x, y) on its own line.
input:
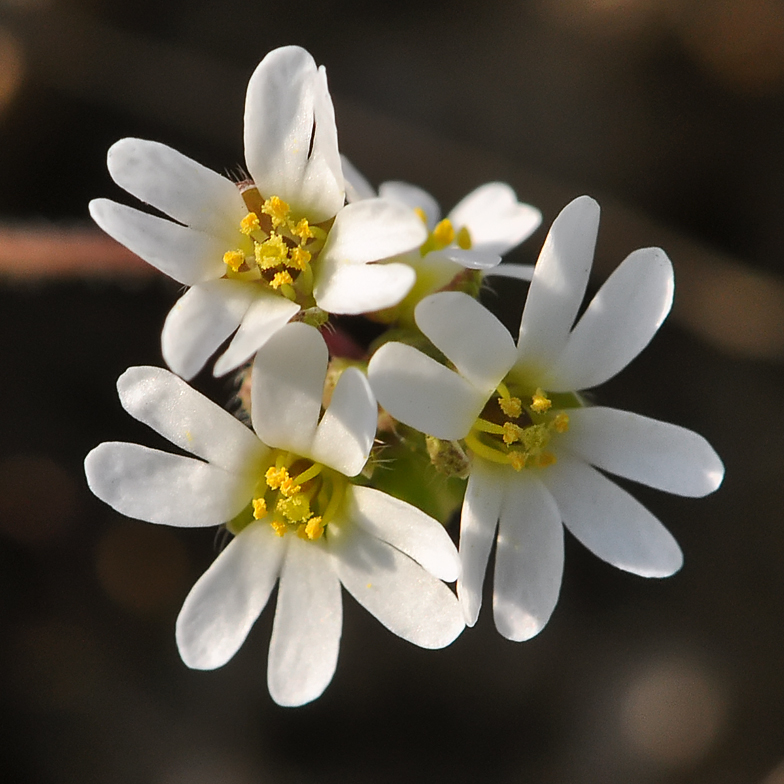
(516, 271)
(346, 431)
(188, 419)
(167, 489)
(200, 321)
(528, 560)
(185, 190)
(422, 393)
(308, 622)
(395, 589)
(496, 221)
(266, 315)
(609, 522)
(291, 143)
(481, 508)
(471, 259)
(187, 255)
(228, 598)
(356, 185)
(469, 335)
(286, 387)
(558, 285)
(352, 289)
(405, 527)
(618, 324)
(657, 454)
(412, 197)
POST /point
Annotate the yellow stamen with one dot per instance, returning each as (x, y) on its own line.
(511, 406)
(259, 508)
(541, 402)
(421, 214)
(275, 476)
(464, 238)
(277, 209)
(234, 259)
(314, 528)
(278, 526)
(488, 427)
(271, 253)
(444, 233)
(289, 487)
(512, 433)
(561, 422)
(535, 437)
(296, 509)
(478, 448)
(298, 258)
(249, 223)
(308, 474)
(281, 279)
(546, 459)
(302, 230)
(517, 459)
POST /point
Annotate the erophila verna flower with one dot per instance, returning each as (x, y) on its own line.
(534, 446)
(286, 493)
(257, 252)
(482, 227)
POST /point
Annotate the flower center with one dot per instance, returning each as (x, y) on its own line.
(295, 495)
(512, 432)
(276, 250)
(443, 235)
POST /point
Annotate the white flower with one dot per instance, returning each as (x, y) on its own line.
(535, 448)
(286, 494)
(481, 228)
(255, 255)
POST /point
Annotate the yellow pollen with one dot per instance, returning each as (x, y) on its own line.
(278, 526)
(512, 433)
(234, 259)
(271, 253)
(561, 422)
(249, 223)
(259, 508)
(277, 209)
(302, 230)
(314, 528)
(464, 238)
(421, 214)
(541, 402)
(517, 459)
(275, 476)
(289, 487)
(298, 258)
(511, 406)
(546, 459)
(281, 279)
(444, 233)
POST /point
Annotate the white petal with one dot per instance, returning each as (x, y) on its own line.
(405, 527)
(558, 284)
(528, 559)
(308, 622)
(187, 255)
(352, 289)
(346, 431)
(370, 230)
(609, 522)
(516, 271)
(618, 324)
(162, 488)
(291, 145)
(356, 185)
(393, 588)
(470, 336)
(496, 221)
(266, 315)
(228, 598)
(413, 198)
(481, 509)
(470, 259)
(188, 419)
(423, 394)
(200, 321)
(654, 453)
(287, 386)
(183, 189)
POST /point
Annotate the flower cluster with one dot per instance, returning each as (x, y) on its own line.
(328, 488)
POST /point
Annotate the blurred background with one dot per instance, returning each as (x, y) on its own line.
(671, 113)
